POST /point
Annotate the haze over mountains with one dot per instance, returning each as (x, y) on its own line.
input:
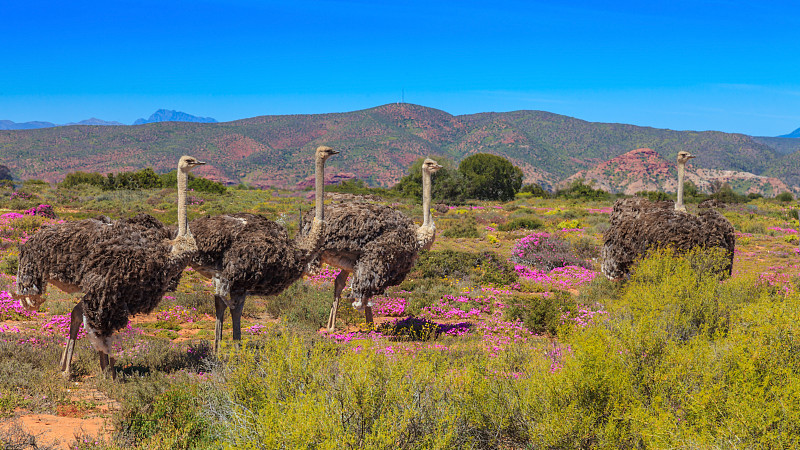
(162, 115)
(379, 144)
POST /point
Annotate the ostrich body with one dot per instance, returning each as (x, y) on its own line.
(638, 225)
(375, 243)
(250, 254)
(123, 268)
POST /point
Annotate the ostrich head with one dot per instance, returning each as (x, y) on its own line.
(30, 302)
(684, 157)
(187, 163)
(324, 152)
(430, 166)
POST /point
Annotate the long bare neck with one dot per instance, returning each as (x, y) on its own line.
(681, 173)
(426, 198)
(319, 186)
(184, 243)
(183, 222)
(310, 244)
(426, 233)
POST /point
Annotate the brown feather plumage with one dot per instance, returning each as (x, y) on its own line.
(123, 267)
(638, 225)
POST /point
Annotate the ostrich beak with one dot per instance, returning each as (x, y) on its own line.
(691, 156)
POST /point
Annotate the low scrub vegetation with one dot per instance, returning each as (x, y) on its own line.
(504, 335)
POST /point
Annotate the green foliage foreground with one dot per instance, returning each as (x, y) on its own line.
(681, 360)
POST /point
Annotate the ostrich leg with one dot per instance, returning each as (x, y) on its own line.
(236, 314)
(368, 313)
(106, 365)
(219, 303)
(338, 286)
(107, 362)
(75, 321)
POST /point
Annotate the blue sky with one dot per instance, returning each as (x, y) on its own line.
(702, 65)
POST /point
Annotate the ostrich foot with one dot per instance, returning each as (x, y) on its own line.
(332, 316)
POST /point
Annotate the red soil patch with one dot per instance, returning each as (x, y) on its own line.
(60, 432)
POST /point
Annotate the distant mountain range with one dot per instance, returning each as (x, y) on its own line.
(168, 115)
(793, 134)
(379, 144)
(162, 115)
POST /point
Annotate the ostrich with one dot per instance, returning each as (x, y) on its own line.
(638, 225)
(249, 254)
(123, 268)
(377, 243)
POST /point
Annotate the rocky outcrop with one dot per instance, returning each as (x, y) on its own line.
(5, 173)
(644, 169)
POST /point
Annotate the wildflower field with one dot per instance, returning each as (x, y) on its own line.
(504, 335)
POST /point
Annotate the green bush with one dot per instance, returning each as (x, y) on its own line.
(311, 313)
(10, 263)
(542, 313)
(580, 191)
(655, 196)
(447, 184)
(726, 194)
(199, 184)
(490, 177)
(462, 228)
(143, 179)
(535, 190)
(480, 268)
(585, 247)
(289, 394)
(75, 179)
(173, 419)
(784, 197)
(521, 223)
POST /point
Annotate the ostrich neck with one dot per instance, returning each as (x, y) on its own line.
(426, 199)
(183, 223)
(184, 243)
(310, 244)
(319, 185)
(426, 233)
(681, 170)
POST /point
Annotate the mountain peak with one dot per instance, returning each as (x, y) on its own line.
(793, 134)
(169, 115)
(95, 121)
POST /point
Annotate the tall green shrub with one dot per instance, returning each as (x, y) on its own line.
(490, 177)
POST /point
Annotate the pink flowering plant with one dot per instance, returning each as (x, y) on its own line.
(545, 251)
(11, 309)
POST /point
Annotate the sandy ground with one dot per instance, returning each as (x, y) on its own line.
(70, 423)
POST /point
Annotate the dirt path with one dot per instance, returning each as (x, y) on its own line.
(88, 417)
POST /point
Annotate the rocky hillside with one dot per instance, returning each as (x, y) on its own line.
(645, 170)
(377, 144)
